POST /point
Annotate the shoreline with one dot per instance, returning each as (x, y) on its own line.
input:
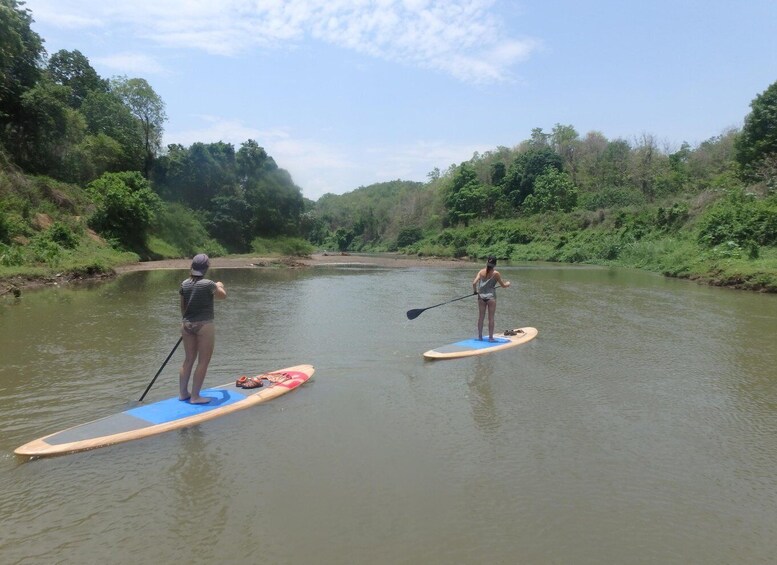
(14, 285)
(315, 260)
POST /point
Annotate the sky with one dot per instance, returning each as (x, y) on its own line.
(344, 94)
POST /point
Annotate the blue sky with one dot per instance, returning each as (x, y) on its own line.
(344, 94)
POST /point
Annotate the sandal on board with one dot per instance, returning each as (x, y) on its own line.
(253, 382)
(240, 382)
(276, 377)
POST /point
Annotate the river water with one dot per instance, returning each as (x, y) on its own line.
(639, 427)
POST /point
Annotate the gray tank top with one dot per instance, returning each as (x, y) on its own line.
(199, 296)
(487, 288)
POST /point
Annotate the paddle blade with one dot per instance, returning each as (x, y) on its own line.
(413, 314)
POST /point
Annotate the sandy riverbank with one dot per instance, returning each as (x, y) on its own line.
(244, 262)
(13, 286)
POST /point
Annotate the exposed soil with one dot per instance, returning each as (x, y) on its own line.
(301, 262)
(14, 285)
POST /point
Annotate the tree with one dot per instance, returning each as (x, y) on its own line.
(465, 198)
(48, 130)
(106, 114)
(72, 69)
(554, 191)
(614, 164)
(758, 139)
(527, 166)
(565, 141)
(125, 208)
(21, 53)
(146, 106)
(229, 222)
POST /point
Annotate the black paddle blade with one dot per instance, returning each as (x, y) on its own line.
(413, 314)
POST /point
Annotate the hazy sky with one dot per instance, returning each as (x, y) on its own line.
(344, 94)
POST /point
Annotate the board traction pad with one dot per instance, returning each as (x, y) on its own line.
(470, 344)
(148, 415)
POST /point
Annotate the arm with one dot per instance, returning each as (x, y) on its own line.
(475, 283)
(503, 284)
(220, 291)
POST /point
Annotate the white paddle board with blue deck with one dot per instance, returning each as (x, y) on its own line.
(474, 346)
(166, 415)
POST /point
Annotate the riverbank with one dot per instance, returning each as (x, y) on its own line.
(318, 259)
(15, 284)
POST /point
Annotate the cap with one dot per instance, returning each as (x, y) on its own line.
(200, 264)
(491, 262)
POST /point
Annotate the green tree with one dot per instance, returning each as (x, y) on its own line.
(125, 208)
(148, 108)
(527, 166)
(408, 236)
(21, 54)
(50, 129)
(565, 141)
(758, 139)
(72, 69)
(106, 114)
(465, 198)
(554, 191)
(229, 222)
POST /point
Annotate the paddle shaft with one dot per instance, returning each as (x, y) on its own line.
(177, 343)
(413, 314)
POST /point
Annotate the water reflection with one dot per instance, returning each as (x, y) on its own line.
(643, 416)
(484, 409)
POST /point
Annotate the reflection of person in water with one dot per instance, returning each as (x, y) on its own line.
(485, 286)
(198, 332)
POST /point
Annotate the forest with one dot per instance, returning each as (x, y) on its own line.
(86, 185)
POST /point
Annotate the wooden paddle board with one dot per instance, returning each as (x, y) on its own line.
(474, 346)
(166, 415)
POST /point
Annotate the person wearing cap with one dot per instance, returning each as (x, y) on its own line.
(485, 286)
(198, 331)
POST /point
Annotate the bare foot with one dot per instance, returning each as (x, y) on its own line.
(200, 400)
(491, 339)
(184, 398)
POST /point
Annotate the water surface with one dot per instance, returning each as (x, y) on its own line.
(639, 427)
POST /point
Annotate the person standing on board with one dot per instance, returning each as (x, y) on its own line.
(485, 286)
(198, 331)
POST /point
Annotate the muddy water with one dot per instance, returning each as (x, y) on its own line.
(639, 427)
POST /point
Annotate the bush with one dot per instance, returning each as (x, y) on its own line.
(610, 197)
(64, 235)
(11, 255)
(281, 246)
(408, 236)
(126, 207)
(740, 218)
(181, 228)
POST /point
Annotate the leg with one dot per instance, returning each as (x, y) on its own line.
(491, 313)
(190, 355)
(481, 315)
(206, 340)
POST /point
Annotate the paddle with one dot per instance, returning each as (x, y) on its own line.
(413, 314)
(160, 369)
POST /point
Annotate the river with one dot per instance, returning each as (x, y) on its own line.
(639, 427)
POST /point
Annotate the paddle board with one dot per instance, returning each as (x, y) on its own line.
(474, 346)
(166, 415)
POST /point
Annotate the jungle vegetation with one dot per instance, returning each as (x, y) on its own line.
(707, 212)
(85, 185)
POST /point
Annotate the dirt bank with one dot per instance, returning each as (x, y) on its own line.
(12, 286)
(300, 262)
